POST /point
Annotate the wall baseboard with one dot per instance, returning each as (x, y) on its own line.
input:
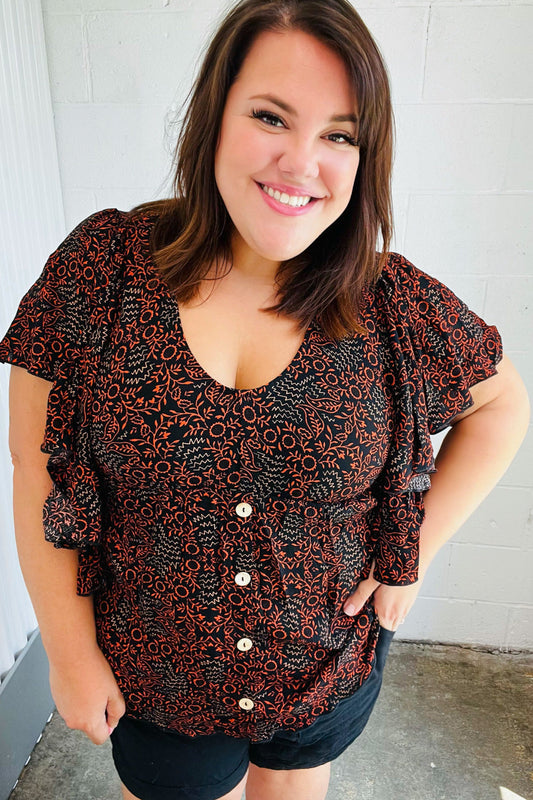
(25, 706)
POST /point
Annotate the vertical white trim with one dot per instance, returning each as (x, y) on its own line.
(31, 225)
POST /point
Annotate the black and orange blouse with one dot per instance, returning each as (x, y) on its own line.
(221, 530)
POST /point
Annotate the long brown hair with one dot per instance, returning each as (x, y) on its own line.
(193, 229)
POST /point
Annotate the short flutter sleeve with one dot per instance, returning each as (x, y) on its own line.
(57, 334)
(436, 349)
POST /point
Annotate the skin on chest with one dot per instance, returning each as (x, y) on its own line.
(233, 340)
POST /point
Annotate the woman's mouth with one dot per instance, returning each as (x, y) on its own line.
(292, 200)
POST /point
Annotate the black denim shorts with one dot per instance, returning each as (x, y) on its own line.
(156, 764)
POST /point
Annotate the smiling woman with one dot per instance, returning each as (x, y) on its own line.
(271, 168)
(237, 395)
(193, 232)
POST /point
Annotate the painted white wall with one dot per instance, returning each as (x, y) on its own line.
(31, 222)
(463, 195)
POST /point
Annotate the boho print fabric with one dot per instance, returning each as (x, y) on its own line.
(221, 530)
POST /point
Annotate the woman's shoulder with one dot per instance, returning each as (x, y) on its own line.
(412, 305)
(401, 276)
(110, 225)
(440, 347)
(405, 290)
(102, 246)
(87, 269)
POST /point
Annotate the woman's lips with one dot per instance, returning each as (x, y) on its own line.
(286, 200)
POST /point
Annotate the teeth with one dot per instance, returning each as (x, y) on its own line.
(287, 199)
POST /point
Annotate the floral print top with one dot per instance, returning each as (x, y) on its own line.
(221, 530)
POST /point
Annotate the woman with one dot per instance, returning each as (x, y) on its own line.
(236, 397)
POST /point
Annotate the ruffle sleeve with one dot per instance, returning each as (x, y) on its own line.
(57, 334)
(435, 350)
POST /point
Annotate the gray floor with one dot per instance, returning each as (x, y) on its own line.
(450, 724)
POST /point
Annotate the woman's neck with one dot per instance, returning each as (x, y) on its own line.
(251, 266)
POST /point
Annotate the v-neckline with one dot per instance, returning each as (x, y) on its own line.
(233, 389)
(295, 360)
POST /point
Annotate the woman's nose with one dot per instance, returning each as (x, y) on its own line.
(299, 159)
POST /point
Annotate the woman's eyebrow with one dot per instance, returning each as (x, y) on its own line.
(290, 110)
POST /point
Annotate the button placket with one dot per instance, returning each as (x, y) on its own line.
(243, 510)
(243, 578)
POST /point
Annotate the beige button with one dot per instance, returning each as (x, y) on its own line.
(244, 644)
(246, 704)
(243, 578)
(243, 510)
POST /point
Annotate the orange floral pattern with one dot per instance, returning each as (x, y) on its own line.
(222, 530)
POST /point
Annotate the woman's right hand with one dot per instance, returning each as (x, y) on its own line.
(87, 695)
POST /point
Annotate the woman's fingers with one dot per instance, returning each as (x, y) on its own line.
(101, 726)
(99, 732)
(356, 601)
(115, 710)
(391, 623)
(393, 603)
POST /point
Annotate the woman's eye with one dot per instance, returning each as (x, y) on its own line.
(268, 118)
(342, 138)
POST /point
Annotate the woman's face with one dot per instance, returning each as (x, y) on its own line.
(286, 159)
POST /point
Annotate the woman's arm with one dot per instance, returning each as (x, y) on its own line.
(84, 688)
(473, 457)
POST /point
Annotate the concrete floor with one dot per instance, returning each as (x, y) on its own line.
(450, 724)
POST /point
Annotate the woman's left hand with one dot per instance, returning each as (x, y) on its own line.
(391, 603)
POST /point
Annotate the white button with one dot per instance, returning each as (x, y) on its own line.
(244, 644)
(246, 704)
(243, 510)
(243, 578)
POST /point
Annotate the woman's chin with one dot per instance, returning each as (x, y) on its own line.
(276, 252)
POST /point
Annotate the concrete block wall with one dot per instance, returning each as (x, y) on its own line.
(463, 181)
